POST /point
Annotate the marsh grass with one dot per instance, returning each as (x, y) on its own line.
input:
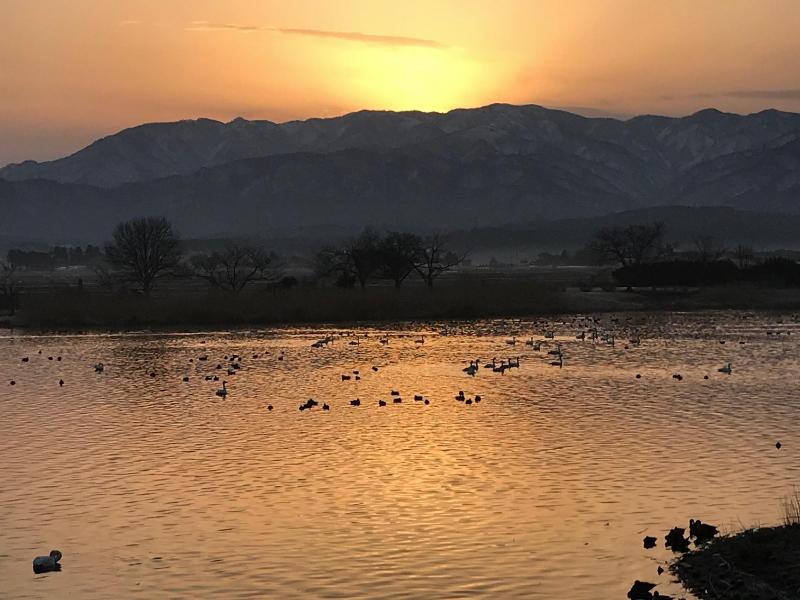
(791, 508)
(199, 307)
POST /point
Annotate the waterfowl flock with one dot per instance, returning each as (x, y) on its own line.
(546, 342)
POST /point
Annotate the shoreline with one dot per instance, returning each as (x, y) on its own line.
(754, 564)
(374, 306)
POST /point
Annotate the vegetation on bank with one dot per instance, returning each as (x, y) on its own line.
(145, 278)
(754, 564)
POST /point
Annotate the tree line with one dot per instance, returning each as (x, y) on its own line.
(645, 259)
(393, 256)
(146, 250)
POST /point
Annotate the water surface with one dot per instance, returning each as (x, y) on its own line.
(157, 488)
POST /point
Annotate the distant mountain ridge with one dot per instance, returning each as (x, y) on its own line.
(465, 168)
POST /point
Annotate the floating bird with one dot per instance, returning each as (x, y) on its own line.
(701, 532)
(397, 400)
(325, 407)
(512, 341)
(223, 391)
(675, 540)
(477, 398)
(394, 393)
(381, 402)
(25, 359)
(777, 444)
(185, 379)
(727, 369)
(99, 367)
(421, 340)
(418, 398)
(269, 407)
(46, 564)
(345, 377)
(61, 383)
(355, 402)
(427, 401)
(375, 369)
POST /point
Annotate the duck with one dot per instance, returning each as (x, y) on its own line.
(394, 393)
(355, 402)
(345, 377)
(477, 398)
(46, 564)
(223, 391)
(381, 402)
(99, 367)
(397, 400)
(727, 369)
(418, 397)
(325, 406)
(60, 383)
(269, 406)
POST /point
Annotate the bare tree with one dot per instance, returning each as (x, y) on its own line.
(364, 255)
(434, 258)
(706, 249)
(744, 255)
(143, 250)
(630, 245)
(399, 253)
(235, 267)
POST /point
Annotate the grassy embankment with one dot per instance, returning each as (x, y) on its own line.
(462, 296)
(754, 564)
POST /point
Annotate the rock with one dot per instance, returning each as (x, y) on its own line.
(46, 564)
(641, 590)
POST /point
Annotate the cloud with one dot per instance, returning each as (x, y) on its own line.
(352, 36)
(779, 94)
(130, 22)
(355, 36)
(776, 94)
(206, 26)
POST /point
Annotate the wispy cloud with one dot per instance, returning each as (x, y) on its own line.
(206, 26)
(779, 94)
(774, 94)
(352, 36)
(130, 22)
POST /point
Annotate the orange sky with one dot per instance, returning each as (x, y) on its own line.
(73, 70)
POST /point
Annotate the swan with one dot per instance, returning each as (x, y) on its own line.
(727, 369)
(223, 391)
(471, 369)
(421, 340)
(512, 341)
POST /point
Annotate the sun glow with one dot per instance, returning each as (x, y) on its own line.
(415, 78)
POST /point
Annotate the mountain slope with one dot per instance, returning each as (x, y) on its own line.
(411, 170)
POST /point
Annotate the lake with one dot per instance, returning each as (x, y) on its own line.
(154, 487)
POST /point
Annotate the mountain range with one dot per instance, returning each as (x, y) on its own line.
(467, 168)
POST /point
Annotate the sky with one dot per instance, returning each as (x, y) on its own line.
(74, 70)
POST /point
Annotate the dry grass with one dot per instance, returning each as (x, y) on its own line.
(754, 564)
(791, 509)
(71, 309)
